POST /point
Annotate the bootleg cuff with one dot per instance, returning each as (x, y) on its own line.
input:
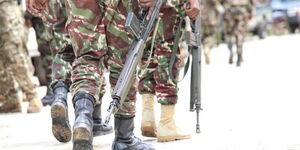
(170, 100)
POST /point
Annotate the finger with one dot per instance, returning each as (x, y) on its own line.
(145, 1)
(144, 5)
(190, 13)
(149, 13)
(147, 4)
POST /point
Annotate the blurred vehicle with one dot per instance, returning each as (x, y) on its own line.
(261, 17)
(287, 10)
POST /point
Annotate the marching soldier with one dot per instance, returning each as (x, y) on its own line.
(88, 35)
(63, 57)
(237, 15)
(156, 80)
(211, 16)
(13, 61)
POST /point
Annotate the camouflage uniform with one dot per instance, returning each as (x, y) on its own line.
(63, 56)
(43, 44)
(156, 79)
(100, 38)
(237, 13)
(13, 55)
(210, 21)
(92, 47)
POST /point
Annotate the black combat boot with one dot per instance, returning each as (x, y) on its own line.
(229, 45)
(124, 137)
(59, 113)
(239, 60)
(98, 128)
(83, 125)
(48, 98)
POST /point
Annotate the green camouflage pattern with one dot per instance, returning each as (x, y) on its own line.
(60, 45)
(88, 40)
(155, 79)
(100, 41)
(14, 57)
(43, 43)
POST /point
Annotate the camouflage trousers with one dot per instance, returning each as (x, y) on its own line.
(100, 41)
(43, 46)
(156, 79)
(60, 43)
(14, 57)
(236, 20)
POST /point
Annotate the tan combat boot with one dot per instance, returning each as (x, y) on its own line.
(148, 126)
(35, 105)
(167, 130)
(11, 103)
(206, 54)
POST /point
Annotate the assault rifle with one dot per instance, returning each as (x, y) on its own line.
(193, 40)
(140, 28)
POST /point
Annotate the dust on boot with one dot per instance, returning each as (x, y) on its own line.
(83, 125)
(148, 125)
(59, 113)
(35, 105)
(124, 137)
(167, 130)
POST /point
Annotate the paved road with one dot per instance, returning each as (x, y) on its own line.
(255, 107)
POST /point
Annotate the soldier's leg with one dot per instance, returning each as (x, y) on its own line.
(16, 59)
(118, 43)
(10, 100)
(63, 56)
(88, 41)
(207, 45)
(166, 92)
(166, 88)
(146, 88)
(61, 75)
(228, 33)
(46, 58)
(98, 127)
(240, 32)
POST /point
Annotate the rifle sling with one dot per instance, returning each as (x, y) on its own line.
(175, 49)
(152, 46)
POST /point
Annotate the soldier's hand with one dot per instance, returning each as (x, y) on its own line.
(39, 4)
(147, 3)
(193, 10)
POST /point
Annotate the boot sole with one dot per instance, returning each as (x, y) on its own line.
(148, 132)
(60, 125)
(169, 139)
(81, 138)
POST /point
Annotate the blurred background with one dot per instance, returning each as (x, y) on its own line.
(252, 107)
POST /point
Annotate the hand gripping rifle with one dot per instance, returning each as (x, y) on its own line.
(193, 41)
(140, 28)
